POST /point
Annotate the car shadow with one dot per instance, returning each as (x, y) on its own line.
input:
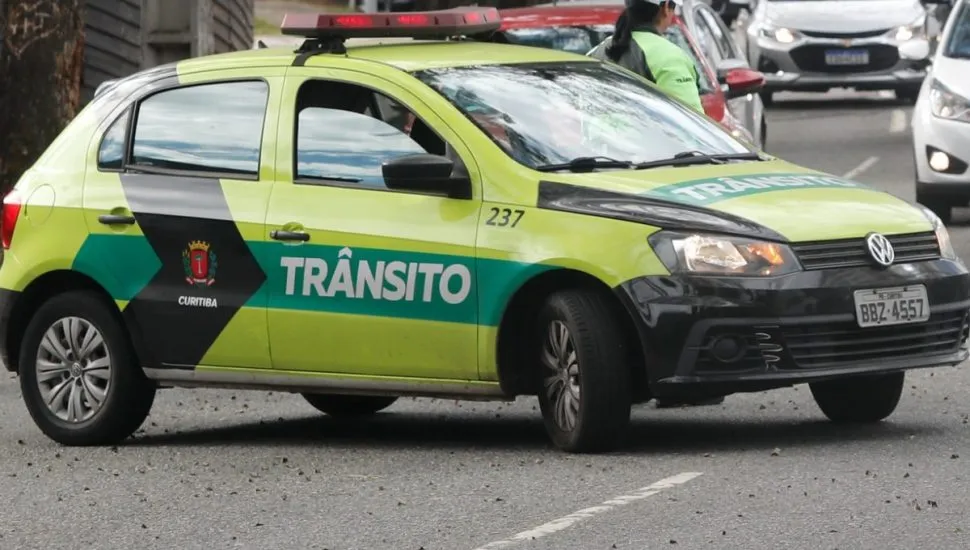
(823, 102)
(659, 433)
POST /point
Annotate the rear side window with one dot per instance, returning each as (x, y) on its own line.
(208, 128)
(111, 154)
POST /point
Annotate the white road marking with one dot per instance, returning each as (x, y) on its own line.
(565, 522)
(898, 122)
(863, 166)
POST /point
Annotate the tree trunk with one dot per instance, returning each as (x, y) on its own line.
(41, 65)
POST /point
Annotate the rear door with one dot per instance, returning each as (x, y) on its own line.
(365, 280)
(724, 54)
(174, 198)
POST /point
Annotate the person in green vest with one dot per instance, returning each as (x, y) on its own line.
(638, 44)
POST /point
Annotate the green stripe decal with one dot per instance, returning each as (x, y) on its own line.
(710, 190)
(361, 281)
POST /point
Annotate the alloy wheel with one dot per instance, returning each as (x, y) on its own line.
(561, 377)
(73, 369)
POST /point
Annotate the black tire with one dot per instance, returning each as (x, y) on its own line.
(129, 395)
(939, 206)
(348, 406)
(909, 95)
(768, 98)
(861, 399)
(602, 367)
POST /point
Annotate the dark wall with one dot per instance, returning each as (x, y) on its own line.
(112, 42)
(232, 25)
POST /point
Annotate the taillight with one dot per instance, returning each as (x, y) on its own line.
(9, 217)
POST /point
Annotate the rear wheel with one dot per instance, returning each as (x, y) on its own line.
(79, 376)
(348, 406)
(585, 372)
(861, 399)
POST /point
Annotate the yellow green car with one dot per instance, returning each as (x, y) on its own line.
(449, 218)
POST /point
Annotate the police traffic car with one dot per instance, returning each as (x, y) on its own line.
(456, 218)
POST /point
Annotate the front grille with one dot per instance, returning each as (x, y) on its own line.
(811, 58)
(912, 247)
(828, 345)
(864, 34)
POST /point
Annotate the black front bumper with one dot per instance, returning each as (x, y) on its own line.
(794, 329)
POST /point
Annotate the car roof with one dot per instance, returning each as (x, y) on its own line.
(411, 55)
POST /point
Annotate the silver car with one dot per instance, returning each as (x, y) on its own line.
(941, 119)
(817, 45)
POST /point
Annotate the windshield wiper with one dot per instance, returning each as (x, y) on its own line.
(688, 158)
(585, 164)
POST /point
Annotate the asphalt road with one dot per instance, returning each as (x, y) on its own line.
(223, 469)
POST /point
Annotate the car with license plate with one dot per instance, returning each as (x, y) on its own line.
(941, 119)
(449, 218)
(728, 86)
(818, 45)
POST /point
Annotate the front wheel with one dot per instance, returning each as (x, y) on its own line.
(585, 396)
(348, 406)
(79, 376)
(861, 399)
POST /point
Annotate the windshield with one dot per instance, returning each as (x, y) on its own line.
(959, 43)
(581, 39)
(549, 113)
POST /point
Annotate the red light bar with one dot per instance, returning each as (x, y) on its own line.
(465, 20)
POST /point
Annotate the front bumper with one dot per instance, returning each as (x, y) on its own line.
(795, 328)
(930, 134)
(802, 66)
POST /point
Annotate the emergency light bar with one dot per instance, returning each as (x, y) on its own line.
(465, 20)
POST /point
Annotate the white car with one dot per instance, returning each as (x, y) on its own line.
(941, 119)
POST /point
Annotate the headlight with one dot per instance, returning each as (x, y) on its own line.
(942, 235)
(780, 34)
(706, 254)
(916, 29)
(944, 103)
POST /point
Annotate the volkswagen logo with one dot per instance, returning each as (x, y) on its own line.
(880, 249)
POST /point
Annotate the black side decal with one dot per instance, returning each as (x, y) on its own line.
(207, 271)
(636, 208)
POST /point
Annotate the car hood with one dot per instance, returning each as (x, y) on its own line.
(954, 74)
(838, 16)
(797, 203)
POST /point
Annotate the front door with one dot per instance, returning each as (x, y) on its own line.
(365, 280)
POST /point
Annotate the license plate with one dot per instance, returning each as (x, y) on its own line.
(847, 57)
(882, 307)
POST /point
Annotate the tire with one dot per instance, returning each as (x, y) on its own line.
(110, 369)
(581, 325)
(767, 98)
(909, 95)
(348, 406)
(940, 207)
(862, 399)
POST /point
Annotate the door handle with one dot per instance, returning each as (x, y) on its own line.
(280, 235)
(116, 219)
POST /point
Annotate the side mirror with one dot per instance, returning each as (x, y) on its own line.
(914, 50)
(424, 173)
(740, 81)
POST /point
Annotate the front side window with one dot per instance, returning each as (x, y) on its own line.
(208, 128)
(550, 113)
(346, 132)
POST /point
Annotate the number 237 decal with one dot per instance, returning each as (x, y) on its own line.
(502, 217)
